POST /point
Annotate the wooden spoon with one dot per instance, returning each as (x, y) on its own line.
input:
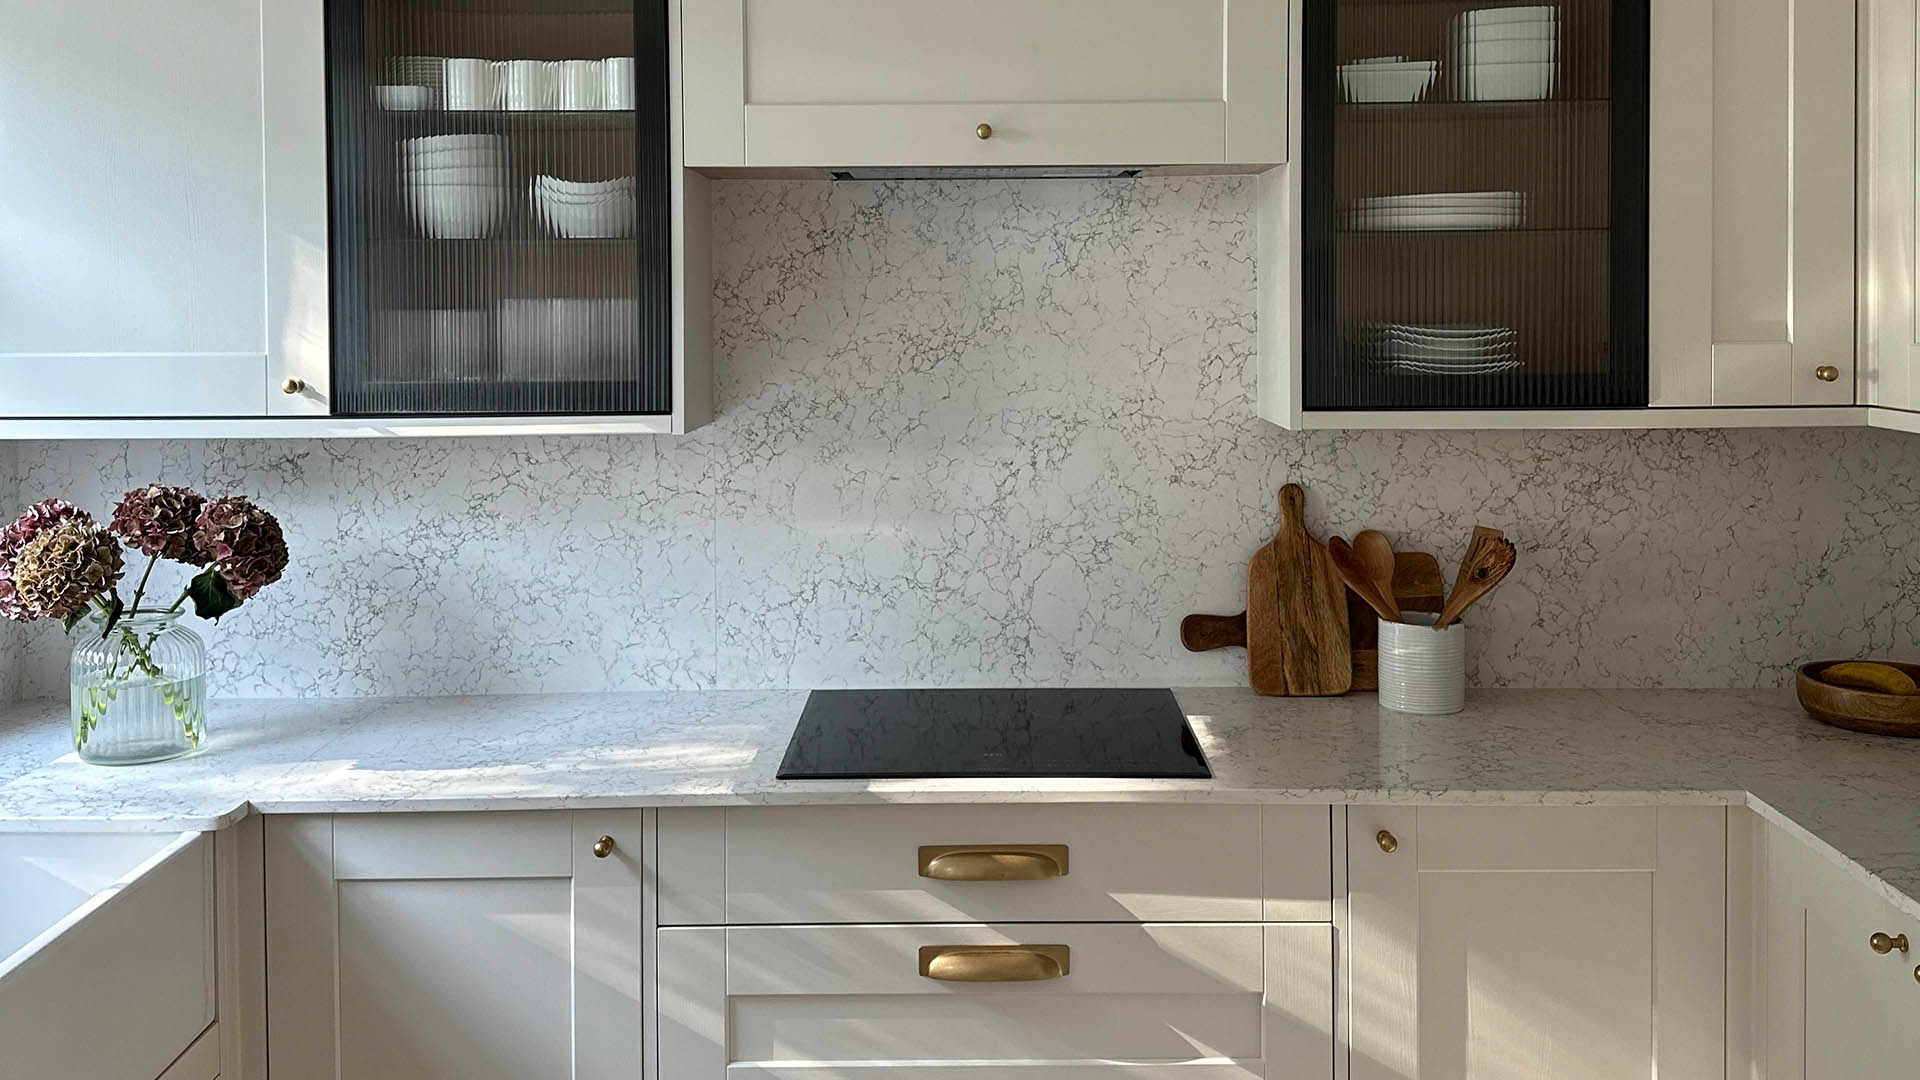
(1487, 563)
(1376, 554)
(1346, 563)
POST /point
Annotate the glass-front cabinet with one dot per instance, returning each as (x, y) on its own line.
(500, 207)
(1474, 187)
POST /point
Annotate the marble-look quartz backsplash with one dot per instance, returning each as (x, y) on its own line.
(1001, 432)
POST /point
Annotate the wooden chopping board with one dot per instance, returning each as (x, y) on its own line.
(1315, 646)
(1296, 628)
(1417, 586)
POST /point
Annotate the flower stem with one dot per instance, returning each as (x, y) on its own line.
(140, 590)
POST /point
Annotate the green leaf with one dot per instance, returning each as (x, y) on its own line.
(72, 621)
(210, 595)
(114, 610)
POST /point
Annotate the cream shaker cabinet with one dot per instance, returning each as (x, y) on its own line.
(826, 83)
(438, 946)
(1837, 989)
(1752, 203)
(1039, 1001)
(1580, 943)
(1020, 942)
(1890, 292)
(165, 201)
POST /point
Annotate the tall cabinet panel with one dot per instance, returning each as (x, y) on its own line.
(132, 203)
(1752, 202)
(1474, 228)
(1891, 293)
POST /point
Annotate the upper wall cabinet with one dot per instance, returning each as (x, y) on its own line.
(1752, 202)
(348, 217)
(826, 83)
(147, 225)
(1891, 216)
(1474, 234)
(1567, 213)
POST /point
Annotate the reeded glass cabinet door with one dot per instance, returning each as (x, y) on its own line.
(500, 207)
(1475, 188)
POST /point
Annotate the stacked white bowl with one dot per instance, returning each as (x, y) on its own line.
(579, 210)
(456, 185)
(1506, 54)
(1387, 78)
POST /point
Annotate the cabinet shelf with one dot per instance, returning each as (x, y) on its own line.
(430, 121)
(1574, 230)
(1431, 109)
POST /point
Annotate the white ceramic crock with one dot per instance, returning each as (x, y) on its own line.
(1423, 670)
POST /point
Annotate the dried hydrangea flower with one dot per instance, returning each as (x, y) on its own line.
(243, 543)
(159, 520)
(37, 519)
(63, 568)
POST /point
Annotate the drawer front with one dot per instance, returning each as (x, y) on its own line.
(899, 864)
(1140, 1000)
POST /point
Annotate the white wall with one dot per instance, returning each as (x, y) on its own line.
(1002, 432)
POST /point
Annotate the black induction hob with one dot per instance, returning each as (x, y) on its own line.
(925, 734)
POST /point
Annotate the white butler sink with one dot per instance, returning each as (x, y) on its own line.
(106, 952)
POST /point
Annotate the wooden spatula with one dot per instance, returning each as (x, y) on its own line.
(1347, 563)
(1490, 556)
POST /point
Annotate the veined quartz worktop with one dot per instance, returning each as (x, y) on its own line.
(1855, 795)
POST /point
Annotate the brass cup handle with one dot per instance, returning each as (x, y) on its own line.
(993, 862)
(1388, 842)
(994, 963)
(983, 132)
(1826, 373)
(293, 385)
(1883, 944)
(603, 847)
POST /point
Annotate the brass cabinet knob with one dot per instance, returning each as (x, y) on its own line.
(1883, 944)
(603, 847)
(1387, 841)
(1826, 373)
(984, 131)
(293, 385)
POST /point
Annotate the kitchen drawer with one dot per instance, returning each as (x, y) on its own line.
(1095, 863)
(1214, 1001)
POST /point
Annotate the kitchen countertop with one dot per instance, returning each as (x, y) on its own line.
(1857, 797)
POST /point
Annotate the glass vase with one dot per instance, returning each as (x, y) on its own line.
(138, 693)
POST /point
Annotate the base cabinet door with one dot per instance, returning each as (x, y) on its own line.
(1579, 943)
(1027, 1001)
(1839, 983)
(455, 946)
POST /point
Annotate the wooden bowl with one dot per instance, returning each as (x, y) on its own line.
(1870, 711)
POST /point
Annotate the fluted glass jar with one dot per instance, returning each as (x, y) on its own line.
(138, 692)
